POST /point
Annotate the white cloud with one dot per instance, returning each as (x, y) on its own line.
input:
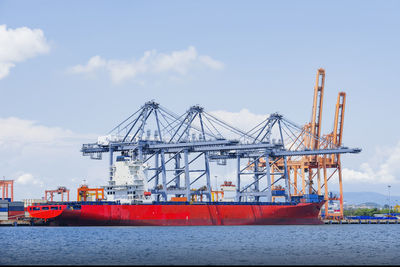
(39, 157)
(17, 45)
(152, 62)
(385, 172)
(27, 178)
(212, 63)
(93, 64)
(17, 132)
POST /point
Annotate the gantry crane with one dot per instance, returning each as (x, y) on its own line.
(60, 190)
(311, 136)
(180, 153)
(5, 185)
(85, 193)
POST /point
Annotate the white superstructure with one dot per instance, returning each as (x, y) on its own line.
(229, 191)
(128, 183)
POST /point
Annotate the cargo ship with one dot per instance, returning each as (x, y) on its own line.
(128, 202)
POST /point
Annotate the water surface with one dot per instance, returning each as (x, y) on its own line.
(210, 245)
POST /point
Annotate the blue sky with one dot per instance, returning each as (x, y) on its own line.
(268, 54)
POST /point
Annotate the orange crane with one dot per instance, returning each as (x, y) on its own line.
(84, 192)
(330, 164)
(60, 190)
(327, 163)
(311, 138)
(5, 185)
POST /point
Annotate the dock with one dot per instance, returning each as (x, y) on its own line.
(366, 221)
(23, 222)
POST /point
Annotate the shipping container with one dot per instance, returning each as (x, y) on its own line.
(15, 214)
(183, 199)
(16, 203)
(278, 192)
(16, 208)
(3, 216)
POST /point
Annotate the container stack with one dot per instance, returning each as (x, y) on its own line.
(16, 210)
(3, 210)
(11, 210)
(310, 198)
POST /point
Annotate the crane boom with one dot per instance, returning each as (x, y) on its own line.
(338, 123)
(339, 118)
(317, 108)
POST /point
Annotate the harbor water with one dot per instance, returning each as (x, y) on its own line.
(210, 245)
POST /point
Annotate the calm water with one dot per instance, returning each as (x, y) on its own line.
(215, 245)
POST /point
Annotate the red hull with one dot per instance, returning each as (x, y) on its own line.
(180, 215)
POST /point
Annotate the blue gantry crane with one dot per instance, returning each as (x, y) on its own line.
(183, 148)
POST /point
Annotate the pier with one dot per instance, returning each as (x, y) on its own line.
(366, 221)
(23, 222)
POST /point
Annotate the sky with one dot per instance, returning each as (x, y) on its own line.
(72, 70)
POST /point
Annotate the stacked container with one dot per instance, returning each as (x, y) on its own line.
(311, 198)
(3, 210)
(16, 210)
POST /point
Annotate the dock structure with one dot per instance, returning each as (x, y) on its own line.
(362, 221)
(39, 222)
(26, 221)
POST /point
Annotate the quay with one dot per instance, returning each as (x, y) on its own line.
(22, 222)
(362, 221)
(40, 222)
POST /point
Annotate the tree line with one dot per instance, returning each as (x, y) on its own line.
(365, 212)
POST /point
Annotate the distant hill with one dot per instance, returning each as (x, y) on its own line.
(358, 198)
